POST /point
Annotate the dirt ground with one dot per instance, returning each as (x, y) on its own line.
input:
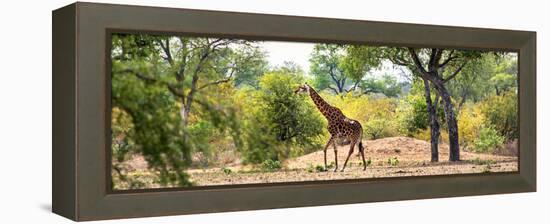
(412, 155)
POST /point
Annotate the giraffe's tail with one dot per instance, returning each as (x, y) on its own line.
(361, 148)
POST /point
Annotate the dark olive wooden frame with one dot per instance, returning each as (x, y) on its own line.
(81, 111)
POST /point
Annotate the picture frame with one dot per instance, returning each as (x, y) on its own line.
(81, 95)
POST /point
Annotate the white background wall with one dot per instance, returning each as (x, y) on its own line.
(25, 114)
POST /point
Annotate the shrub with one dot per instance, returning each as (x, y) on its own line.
(412, 115)
(320, 168)
(488, 140)
(202, 132)
(278, 123)
(378, 128)
(271, 165)
(227, 170)
(425, 135)
(480, 162)
(375, 114)
(310, 168)
(502, 114)
(393, 161)
(470, 122)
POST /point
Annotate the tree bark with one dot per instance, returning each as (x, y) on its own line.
(434, 124)
(433, 76)
(454, 148)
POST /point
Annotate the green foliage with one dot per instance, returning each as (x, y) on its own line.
(155, 130)
(387, 85)
(359, 60)
(271, 165)
(479, 162)
(280, 124)
(378, 127)
(226, 170)
(252, 67)
(321, 168)
(488, 140)
(393, 161)
(327, 68)
(487, 164)
(162, 84)
(470, 121)
(375, 114)
(473, 83)
(503, 82)
(501, 113)
(412, 114)
(201, 132)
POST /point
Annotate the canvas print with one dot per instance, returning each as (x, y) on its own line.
(192, 111)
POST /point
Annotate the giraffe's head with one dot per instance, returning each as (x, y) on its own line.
(302, 89)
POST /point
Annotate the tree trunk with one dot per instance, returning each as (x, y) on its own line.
(454, 148)
(434, 124)
(462, 101)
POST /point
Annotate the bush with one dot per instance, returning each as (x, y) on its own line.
(393, 161)
(470, 122)
(502, 114)
(227, 170)
(271, 165)
(201, 133)
(488, 140)
(376, 115)
(278, 123)
(412, 115)
(378, 128)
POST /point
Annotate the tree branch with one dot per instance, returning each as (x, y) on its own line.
(333, 89)
(219, 81)
(449, 58)
(432, 61)
(354, 86)
(455, 72)
(333, 76)
(416, 60)
(147, 78)
(166, 50)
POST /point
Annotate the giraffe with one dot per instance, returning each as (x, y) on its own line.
(339, 127)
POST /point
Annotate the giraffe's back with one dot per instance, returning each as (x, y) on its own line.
(345, 128)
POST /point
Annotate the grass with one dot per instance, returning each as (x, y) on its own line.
(319, 167)
(226, 170)
(271, 165)
(393, 161)
(484, 162)
(480, 162)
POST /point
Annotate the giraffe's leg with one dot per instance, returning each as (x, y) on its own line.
(330, 141)
(362, 151)
(335, 156)
(349, 154)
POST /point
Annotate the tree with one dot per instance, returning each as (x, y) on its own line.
(179, 72)
(400, 57)
(339, 67)
(435, 67)
(189, 65)
(278, 120)
(326, 67)
(387, 85)
(473, 82)
(432, 69)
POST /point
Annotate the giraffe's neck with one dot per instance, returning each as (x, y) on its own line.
(321, 104)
